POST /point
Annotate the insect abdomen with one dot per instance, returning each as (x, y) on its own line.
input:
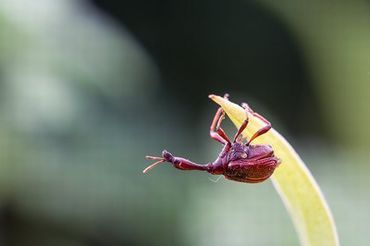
(243, 171)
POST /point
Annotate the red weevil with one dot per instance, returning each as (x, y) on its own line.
(238, 161)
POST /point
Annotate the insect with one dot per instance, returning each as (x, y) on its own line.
(238, 161)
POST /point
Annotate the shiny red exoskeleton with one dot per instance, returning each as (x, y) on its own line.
(238, 161)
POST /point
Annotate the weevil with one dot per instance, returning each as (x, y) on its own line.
(238, 161)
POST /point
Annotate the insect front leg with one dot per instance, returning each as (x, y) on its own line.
(215, 131)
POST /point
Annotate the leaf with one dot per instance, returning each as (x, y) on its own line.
(293, 181)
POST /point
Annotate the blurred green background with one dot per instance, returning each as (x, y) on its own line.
(88, 88)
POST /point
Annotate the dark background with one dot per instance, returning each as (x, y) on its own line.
(199, 47)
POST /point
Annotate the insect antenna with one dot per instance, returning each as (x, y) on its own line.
(159, 160)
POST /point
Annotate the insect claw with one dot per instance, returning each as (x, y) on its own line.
(247, 108)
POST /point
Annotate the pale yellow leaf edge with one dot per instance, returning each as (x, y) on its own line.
(294, 183)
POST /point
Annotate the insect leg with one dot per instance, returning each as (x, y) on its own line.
(216, 132)
(261, 131)
(241, 129)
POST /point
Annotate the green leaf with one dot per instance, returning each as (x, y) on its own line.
(293, 181)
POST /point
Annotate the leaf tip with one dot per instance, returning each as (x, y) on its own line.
(214, 98)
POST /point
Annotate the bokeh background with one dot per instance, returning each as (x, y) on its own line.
(88, 88)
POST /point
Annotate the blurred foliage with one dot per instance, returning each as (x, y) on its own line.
(87, 89)
(335, 37)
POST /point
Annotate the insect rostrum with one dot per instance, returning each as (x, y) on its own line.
(238, 161)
